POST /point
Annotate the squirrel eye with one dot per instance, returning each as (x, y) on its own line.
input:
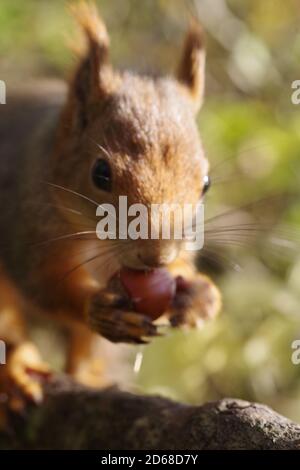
(206, 184)
(101, 175)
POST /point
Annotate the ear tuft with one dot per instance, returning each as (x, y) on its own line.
(97, 53)
(191, 70)
(87, 17)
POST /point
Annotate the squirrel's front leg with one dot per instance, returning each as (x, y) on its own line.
(197, 298)
(109, 310)
(110, 313)
(106, 310)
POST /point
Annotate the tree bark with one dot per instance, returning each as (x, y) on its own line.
(74, 417)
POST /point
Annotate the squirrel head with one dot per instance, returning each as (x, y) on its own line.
(127, 135)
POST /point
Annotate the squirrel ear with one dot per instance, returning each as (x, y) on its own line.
(94, 73)
(191, 70)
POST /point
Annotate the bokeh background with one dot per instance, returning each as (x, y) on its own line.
(251, 132)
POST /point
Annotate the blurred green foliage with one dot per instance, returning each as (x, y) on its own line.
(251, 132)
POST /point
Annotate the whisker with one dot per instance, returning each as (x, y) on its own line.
(250, 205)
(231, 156)
(71, 191)
(215, 256)
(68, 190)
(275, 245)
(65, 237)
(80, 265)
(103, 149)
(284, 243)
(234, 176)
(49, 204)
(242, 226)
(112, 244)
(247, 231)
(61, 207)
(232, 242)
(120, 251)
(109, 252)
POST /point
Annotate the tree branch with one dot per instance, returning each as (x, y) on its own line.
(75, 417)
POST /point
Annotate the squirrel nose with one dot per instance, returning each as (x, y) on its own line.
(158, 260)
(151, 261)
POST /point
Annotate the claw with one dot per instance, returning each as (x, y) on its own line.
(127, 327)
(194, 303)
(26, 374)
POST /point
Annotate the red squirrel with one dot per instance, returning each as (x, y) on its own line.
(139, 134)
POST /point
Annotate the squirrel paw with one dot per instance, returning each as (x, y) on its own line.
(195, 302)
(121, 326)
(24, 377)
(110, 316)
